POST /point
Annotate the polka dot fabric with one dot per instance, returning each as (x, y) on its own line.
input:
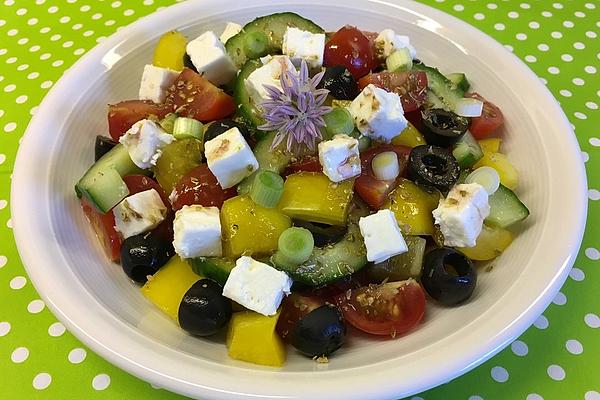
(554, 359)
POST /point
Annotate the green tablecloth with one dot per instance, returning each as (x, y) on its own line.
(557, 358)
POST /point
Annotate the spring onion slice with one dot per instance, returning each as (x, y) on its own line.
(184, 128)
(487, 177)
(467, 107)
(168, 122)
(338, 122)
(400, 60)
(385, 166)
(267, 189)
(295, 245)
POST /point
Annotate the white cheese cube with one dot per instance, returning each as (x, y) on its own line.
(197, 232)
(268, 74)
(340, 158)
(144, 142)
(382, 236)
(230, 158)
(378, 114)
(387, 41)
(139, 213)
(155, 82)
(460, 215)
(257, 286)
(210, 58)
(303, 45)
(231, 29)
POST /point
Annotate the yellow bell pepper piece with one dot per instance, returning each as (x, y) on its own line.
(251, 337)
(170, 50)
(168, 286)
(491, 145)
(410, 137)
(491, 242)
(248, 228)
(509, 175)
(311, 196)
(412, 207)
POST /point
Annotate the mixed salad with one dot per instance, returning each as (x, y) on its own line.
(281, 182)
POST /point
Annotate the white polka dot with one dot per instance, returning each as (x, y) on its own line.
(56, 329)
(84, 8)
(42, 381)
(530, 58)
(499, 27)
(58, 63)
(578, 81)
(592, 395)
(574, 346)
(541, 322)
(591, 105)
(591, 34)
(475, 397)
(55, 37)
(3, 259)
(21, 11)
(88, 33)
(18, 282)
(33, 75)
(52, 9)
(2, 158)
(513, 14)
(508, 47)
(23, 41)
(33, 110)
(100, 38)
(65, 19)
(11, 60)
(556, 35)
(590, 6)
(4, 328)
(556, 372)
(479, 16)
(79, 52)
(32, 21)
(592, 320)
(12, 32)
(19, 355)
(590, 69)
(115, 4)
(412, 398)
(46, 84)
(521, 36)
(110, 22)
(554, 70)
(566, 57)
(519, 348)
(34, 48)
(576, 274)
(67, 44)
(579, 14)
(568, 24)
(35, 306)
(148, 2)
(21, 99)
(11, 126)
(525, 6)
(22, 67)
(534, 25)
(10, 88)
(591, 252)
(580, 115)
(534, 396)
(558, 6)
(77, 355)
(45, 30)
(77, 27)
(101, 382)
(499, 374)
(546, 14)
(566, 93)
(128, 13)
(579, 45)
(9, 223)
(560, 299)
(96, 16)
(45, 56)
(543, 47)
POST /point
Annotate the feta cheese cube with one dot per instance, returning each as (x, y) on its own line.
(387, 41)
(155, 82)
(231, 29)
(378, 114)
(144, 142)
(210, 58)
(139, 213)
(257, 286)
(197, 232)
(340, 158)
(382, 236)
(268, 74)
(230, 158)
(460, 215)
(303, 45)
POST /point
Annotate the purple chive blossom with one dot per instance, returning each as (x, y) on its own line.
(297, 112)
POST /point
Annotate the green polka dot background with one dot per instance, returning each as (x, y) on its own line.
(556, 358)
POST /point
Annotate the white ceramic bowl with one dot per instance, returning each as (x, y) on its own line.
(96, 301)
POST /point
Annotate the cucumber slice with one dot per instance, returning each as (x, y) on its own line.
(274, 26)
(467, 151)
(401, 267)
(459, 80)
(247, 113)
(441, 86)
(434, 102)
(215, 268)
(505, 208)
(102, 184)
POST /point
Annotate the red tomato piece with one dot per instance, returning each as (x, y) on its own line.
(391, 308)
(294, 307)
(307, 164)
(199, 186)
(104, 226)
(121, 116)
(411, 86)
(351, 48)
(139, 183)
(490, 121)
(195, 97)
(373, 191)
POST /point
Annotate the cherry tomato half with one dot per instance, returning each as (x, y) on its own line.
(391, 308)
(294, 307)
(351, 48)
(491, 118)
(199, 186)
(307, 164)
(373, 191)
(104, 226)
(121, 116)
(411, 86)
(140, 183)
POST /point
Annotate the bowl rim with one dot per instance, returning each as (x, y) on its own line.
(129, 350)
